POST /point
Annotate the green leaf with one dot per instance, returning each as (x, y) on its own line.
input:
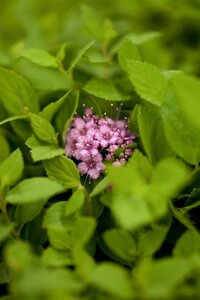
(50, 110)
(41, 151)
(127, 51)
(152, 239)
(144, 37)
(34, 190)
(56, 258)
(188, 87)
(182, 217)
(46, 281)
(63, 170)
(43, 129)
(5, 231)
(66, 113)
(141, 194)
(40, 57)
(18, 256)
(4, 149)
(79, 55)
(105, 89)
(148, 81)
(100, 187)
(152, 135)
(44, 79)
(92, 22)
(161, 277)
(183, 246)
(113, 279)
(12, 119)
(28, 212)
(121, 244)
(11, 169)
(181, 135)
(58, 233)
(45, 152)
(75, 202)
(82, 230)
(16, 93)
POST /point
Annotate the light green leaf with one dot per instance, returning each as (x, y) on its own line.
(63, 170)
(187, 90)
(113, 279)
(11, 169)
(141, 194)
(121, 244)
(58, 233)
(127, 51)
(5, 231)
(105, 89)
(162, 276)
(39, 57)
(141, 38)
(34, 190)
(75, 202)
(152, 135)
(12, 119)
(56, 258)
(17, 94)
(92, 22)
(148, 81)
(43, 129)
(79, 55)
(45, 152)
(181, 135)
(44, 79)
(41, 151)
(188, 244)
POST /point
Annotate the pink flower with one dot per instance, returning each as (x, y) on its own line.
(106, 136)
(91, 139)
(92, 166)
(87, 146)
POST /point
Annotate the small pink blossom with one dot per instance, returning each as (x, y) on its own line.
(92, 139)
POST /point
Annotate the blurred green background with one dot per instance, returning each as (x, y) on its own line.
(48, 24)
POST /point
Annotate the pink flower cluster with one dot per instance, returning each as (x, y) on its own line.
(92, 139)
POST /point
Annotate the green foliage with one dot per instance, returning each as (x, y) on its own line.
(17, 95)
(146, 198)
(151, 128)
(28, 190)
(148, 81)
(105, 89)
(133, 233)
(64, 170)
(11, 169)
(39, 57)
(181, 135)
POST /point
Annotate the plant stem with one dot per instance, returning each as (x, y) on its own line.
(88, 204)
(3, 205)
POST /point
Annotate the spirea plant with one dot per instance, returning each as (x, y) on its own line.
(99, 150)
